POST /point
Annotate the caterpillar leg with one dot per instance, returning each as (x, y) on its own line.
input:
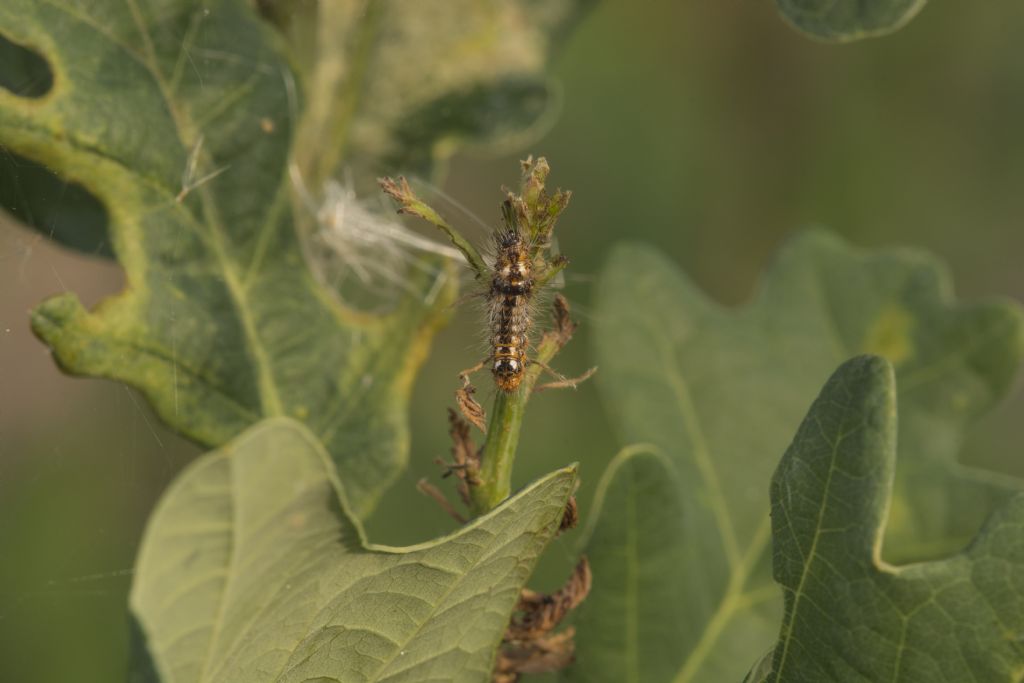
(563, 382)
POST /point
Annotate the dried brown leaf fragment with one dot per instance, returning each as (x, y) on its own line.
(550, 653)
(470, 408)
(465, 463)
(571, 517)
(530, 644)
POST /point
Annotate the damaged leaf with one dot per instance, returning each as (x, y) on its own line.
(175, 122)
(221, 323)
(717, 394)
(539, 613)
(465, 464)
(470, 408)
(849, 615)
(253, 569)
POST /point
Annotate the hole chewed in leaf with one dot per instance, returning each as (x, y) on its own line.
(22, 71)
(63, 211)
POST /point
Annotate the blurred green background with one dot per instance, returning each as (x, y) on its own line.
(712, 130)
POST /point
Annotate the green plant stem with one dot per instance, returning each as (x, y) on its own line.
(535, 212)
(473, 257)
(499, 452)
(336, 71)
(399, 190)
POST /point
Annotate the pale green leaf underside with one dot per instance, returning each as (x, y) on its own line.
(845, 20)
(252, 570)
(647, 551)
(221, 323)
(852, 618)
(720, 392)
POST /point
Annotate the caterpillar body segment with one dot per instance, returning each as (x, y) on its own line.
(509, 302)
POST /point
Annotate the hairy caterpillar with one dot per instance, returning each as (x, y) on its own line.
(509, 300)
(520, 267)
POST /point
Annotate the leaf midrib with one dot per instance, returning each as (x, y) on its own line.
(270, 401)
(733, 598)
(739, 566)
(798, 592)
(366, 30)
(700, 450)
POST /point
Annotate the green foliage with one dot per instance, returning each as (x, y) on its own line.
(221, 324)
(183, 138)
(395, 83)
(253, 569)
(178, 117)
(718, 394)
(844, 20)
(851, 616)
(639, 543)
